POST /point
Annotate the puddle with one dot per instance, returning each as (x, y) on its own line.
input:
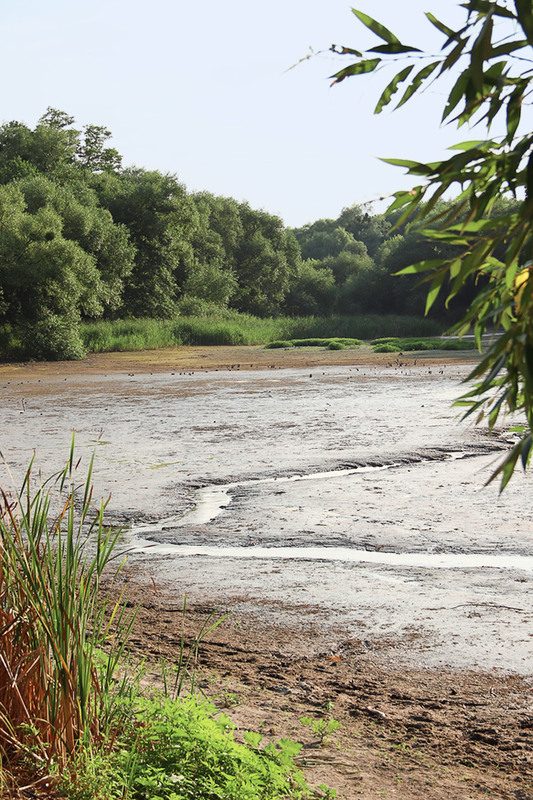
(211, 501)
(344, 554)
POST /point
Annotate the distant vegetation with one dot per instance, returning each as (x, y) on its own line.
(330, 344)
(225, 327)
(83, 238)
(395, 344)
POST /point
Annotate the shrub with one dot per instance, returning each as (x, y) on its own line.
(386, 348)
(53, 338)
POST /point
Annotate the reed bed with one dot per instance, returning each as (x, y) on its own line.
(232, 328)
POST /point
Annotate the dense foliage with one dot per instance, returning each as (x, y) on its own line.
(486, 236)
(82, 237)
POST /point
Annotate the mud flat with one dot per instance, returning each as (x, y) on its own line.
(346, 493)
(334, 503)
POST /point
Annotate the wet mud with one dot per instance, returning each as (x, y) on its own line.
(346, 498)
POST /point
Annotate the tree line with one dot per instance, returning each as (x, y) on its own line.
(82, 236)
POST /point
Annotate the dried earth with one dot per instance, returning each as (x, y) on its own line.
(406, 733)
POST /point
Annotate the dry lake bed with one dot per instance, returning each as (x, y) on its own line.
(348, 497)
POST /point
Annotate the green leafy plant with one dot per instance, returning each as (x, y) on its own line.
(322, 727)
(489, 56)
(184, 748)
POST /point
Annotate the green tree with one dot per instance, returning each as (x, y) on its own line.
(46, 280)
(313, 291)
(267, 258)
(318, 243)
(84, 222)
(490, 58)
(55, 148)
(47, 149)
(161, 219)
(211, 276)
(368, 228)
(92, 154)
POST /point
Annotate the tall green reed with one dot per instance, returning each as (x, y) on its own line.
(228, 327)
(55, 695)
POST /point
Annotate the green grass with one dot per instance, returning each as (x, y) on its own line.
(391, 344)
(232, 328)
(329, 343)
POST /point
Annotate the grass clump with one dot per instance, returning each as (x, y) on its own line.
(277, 345)
(392, 344)
(106, 336)
(386, 348)
(328, 343)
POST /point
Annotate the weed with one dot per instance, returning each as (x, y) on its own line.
(327, 794)
(322, 728)
(229, 699)
(184, 750)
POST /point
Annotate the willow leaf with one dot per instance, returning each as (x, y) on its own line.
(376, 27)
(417, 81)
(392, 88)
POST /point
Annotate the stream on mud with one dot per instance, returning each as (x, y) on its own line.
(211, 501)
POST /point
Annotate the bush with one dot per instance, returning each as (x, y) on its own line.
(386, 348)
(336, 345)
(53, 338)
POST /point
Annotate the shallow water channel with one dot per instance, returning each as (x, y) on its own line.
(348, 498)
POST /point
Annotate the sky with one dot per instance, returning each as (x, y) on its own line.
(204, 89)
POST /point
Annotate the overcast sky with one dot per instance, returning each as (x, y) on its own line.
(203, 89)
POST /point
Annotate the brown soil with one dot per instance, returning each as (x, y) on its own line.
(405, 733)
(226, 358)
